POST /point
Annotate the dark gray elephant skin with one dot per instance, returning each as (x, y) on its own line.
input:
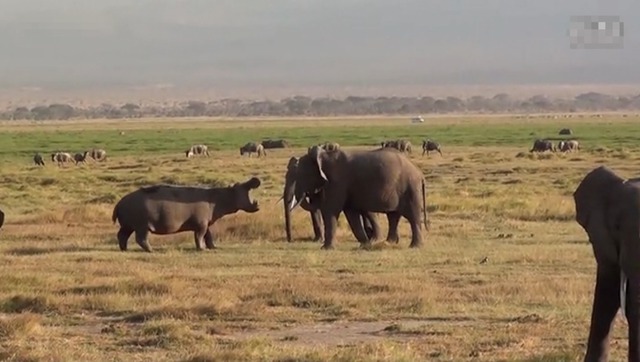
(608, 209)
(311, 203)
(383, 181)
(167, 209)
(1, 218)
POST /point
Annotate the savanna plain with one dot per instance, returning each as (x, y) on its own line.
(505, 273)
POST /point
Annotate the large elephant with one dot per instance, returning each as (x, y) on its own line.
(311, 203)
(608, 209)
(1, 218)
(382, 180)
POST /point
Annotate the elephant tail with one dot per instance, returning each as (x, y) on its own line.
(424, 205)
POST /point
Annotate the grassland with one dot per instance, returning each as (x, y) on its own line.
(68, 294)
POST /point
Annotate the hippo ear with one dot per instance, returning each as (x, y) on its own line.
(253, 183)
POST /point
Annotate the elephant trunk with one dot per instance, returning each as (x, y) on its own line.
(631, 310)
(287, 198)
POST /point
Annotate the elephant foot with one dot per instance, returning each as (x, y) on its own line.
(366, 246)
(393, 240)
(415, 245)
(212, 247)
(326, 247)
(317, 239)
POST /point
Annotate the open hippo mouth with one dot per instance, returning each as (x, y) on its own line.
(252, 184)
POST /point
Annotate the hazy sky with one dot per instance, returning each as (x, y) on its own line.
(307, 42)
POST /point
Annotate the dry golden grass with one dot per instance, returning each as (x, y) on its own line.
(68, 294)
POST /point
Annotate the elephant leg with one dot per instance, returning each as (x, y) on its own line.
(141, 238)
(606, 302)
(413, 216)
(371, 226)
(330, 220)
(392, 235)
(316, 221)
(355, 223)
(633, 316)
(208, 240)
(123, 237)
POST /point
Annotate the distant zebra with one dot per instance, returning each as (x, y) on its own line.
(97, 154)
(61, 157)
(197, 150)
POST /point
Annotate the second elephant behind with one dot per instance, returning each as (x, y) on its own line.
(382, 180)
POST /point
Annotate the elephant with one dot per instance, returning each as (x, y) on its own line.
(381, 180)
(38, 160)
(80, 157)
(542, 145)
(251, 147)
(312, 204)
(608, 209)
(61, 157)
(1, 218)
(97, 154)
(168, 209)
(565, 131)
(197, 150)
(268, 144)
(429, 145)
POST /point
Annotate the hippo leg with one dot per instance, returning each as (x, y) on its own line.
(198, 236)
(208, 240)
(123, 237)
(141, 239)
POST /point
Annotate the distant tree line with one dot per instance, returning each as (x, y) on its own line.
(324, 106)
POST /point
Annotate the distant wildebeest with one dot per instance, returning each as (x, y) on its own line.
(197, 150)
(80, 157)
(400, 144)
(38, 160)
(565, 131)
(267, 144)
(170, 209)
(568, 146)
(429, 145)
(252, 147)
(61, 157)
(542, 145)
(97, 154)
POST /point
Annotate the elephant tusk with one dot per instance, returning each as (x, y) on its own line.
(623, 293)
(294, 203)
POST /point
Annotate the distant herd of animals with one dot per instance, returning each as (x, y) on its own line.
(328, 181)
(61, 158)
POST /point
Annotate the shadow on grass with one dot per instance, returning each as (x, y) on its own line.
(28, 251)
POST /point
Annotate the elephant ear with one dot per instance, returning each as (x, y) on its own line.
(293, 163)
(593, 210)
(315, 152)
